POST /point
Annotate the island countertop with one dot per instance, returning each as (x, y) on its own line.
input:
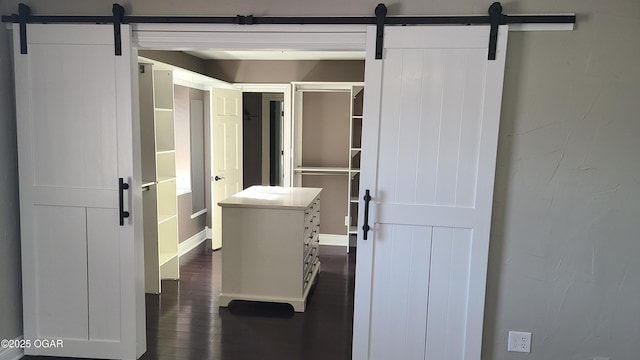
(273, 197)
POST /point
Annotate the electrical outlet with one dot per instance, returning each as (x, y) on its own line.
(346, 221)
(519, 341)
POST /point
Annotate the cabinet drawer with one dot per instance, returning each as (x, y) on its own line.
(312, 218)
(311, 237)
(308, 273)
(311, 227)
(313, 209)
(309, 255)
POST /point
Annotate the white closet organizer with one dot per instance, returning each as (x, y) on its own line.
(351, 171)
(355, 153)
(159, 177)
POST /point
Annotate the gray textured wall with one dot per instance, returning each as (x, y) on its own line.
(10, 279)
(281, 71)
(565, 251)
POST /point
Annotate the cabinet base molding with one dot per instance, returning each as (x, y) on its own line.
(334, 240)
(189, 244)
(12, 353)
(298, 304)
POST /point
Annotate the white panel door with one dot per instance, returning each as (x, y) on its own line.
(226, 177)
(430, 134)
(82, 271)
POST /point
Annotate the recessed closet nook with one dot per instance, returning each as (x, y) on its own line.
(300, 125)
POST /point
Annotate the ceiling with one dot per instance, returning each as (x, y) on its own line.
(276, 55)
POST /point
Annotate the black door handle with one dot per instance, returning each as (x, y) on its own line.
(218, 178)
(121, 188)
(365, 227)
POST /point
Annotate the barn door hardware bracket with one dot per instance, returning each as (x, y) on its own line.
(381, 13)
(118, 15)
(24, 13)
(244, 20)
(496, 19)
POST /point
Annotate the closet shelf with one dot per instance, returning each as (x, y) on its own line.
(162, 152)
(165, 217)
(353, 229)
(320, 169)
(164, 179)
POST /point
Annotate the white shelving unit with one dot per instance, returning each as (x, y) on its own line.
(158, 152)
(355, 153)
(352, 158)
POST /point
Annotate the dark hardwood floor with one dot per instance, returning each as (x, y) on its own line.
(184, 322)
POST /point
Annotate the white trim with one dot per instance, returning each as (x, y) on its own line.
(323, 86)
(209, 232)
(188, 245)
(256, 37)
(186, 77)
(334, 240)
(269, 37)
(12, 353)
(270, 87)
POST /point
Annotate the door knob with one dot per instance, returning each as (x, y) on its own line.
(218, 178)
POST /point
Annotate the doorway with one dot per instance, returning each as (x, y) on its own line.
(263, 138)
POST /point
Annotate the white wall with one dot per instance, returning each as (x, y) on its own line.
(10, 279)
(565, 251)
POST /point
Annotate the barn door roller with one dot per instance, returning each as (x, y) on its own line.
(495, 18)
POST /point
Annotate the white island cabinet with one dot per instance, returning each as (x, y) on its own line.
(270, 252)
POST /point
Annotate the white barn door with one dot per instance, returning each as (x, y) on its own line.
(83, 280)
(430, 134)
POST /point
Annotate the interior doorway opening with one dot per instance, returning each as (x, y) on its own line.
(266, 121)
(263, 138)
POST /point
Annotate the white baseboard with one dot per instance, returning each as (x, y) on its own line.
(209, 232)
(334, 240)
(188, 245)
(12, 353)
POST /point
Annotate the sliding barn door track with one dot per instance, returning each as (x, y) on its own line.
(494, 18)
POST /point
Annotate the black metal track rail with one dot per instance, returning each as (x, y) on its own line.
(494, 18)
